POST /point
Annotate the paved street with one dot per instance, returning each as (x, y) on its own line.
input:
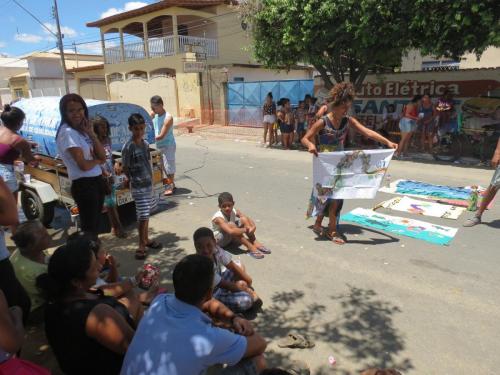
(380, 300)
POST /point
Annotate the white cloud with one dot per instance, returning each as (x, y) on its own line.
(28, 38)
(131, 5)
(68, 32)
(2, 44)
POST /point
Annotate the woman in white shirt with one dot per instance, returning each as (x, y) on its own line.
(82, 154)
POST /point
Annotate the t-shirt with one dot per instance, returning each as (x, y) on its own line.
(76, 353)
(221, 259)
(108, 166)
(137, 160)
(26, 272)
(169, 139)
(71, 138)
(175, 338)
(232, 219)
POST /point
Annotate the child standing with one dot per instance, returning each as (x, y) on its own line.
(102, 130)
(300, 121)
(165, 142)
(232, 285)
(286, 123)
(136, 161)
(231, 226)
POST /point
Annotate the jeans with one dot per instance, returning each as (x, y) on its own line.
(88, 193)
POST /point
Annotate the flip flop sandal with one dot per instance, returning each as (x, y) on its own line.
(294, 340)
(154, 245)
(337, 240)
(140, 254)
(264, 250)
(256, 254)
(170, 191)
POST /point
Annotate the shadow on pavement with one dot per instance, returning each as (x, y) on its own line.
(361, 331)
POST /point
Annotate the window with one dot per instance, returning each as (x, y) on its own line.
(115, 77)
(239, 79)
(182, 30)
(19, 93)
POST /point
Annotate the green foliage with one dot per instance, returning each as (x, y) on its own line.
(452, 28)
(355, 37)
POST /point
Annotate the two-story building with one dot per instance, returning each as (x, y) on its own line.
(183, 50)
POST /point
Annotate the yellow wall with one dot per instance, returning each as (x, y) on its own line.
(188, 89)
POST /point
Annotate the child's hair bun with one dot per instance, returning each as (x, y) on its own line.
(7, 108)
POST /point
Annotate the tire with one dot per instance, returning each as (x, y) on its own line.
(449, 149)
(34, 208)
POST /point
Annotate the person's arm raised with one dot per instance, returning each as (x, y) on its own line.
(109, 329)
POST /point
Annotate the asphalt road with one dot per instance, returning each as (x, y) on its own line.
(380, 300)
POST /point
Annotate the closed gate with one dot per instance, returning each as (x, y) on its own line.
(245, 99)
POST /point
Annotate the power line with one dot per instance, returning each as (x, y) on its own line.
(34, 17)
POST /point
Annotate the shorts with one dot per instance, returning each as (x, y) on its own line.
(286, 128)
(143, 198)
(495, 181)
(301, 126)
(407, 125)
(168, 158)
(236, 301)
(223, 239)
(9, 177)
(110, 200)
(270, 119)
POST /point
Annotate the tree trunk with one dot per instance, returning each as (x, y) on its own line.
(324, 75)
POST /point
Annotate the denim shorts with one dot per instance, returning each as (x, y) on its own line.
(407, 125)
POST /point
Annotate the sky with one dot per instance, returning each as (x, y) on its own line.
(20, 34)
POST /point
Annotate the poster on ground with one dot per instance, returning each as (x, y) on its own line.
(349, 174)
(418, 207)
(421, 230)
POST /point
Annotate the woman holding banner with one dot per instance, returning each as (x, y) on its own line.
(332, 130)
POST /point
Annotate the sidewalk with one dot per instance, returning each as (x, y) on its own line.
(235, 133)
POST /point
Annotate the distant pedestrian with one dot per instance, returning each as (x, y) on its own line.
(165, 141)
(427, 117)
(269, 118)
(492, 190)
(300, 120)
(136, 161)
(408, 124)
(286, 120)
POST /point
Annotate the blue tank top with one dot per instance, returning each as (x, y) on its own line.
(331, 139)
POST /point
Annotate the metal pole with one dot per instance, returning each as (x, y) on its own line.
(61, 48)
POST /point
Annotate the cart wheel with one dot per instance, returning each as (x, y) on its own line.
(34, 208)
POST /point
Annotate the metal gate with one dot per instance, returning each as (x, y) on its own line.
(245, 99)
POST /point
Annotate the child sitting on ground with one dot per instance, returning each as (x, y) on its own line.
(232, 285)
(231, 226)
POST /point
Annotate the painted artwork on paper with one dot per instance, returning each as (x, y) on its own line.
(424, 208)
(436, 234)
(349, 174)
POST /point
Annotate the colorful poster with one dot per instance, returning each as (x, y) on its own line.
(418, 207)
(436, 234)
(349, 174)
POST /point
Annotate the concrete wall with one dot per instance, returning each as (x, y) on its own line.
(188, 91)
(93, 89)
(139, 91)
(50, 86)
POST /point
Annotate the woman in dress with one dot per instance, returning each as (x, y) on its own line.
(332, 130)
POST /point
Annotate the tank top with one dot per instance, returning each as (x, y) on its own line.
(75, 351)
(8, 154)
(331, 139)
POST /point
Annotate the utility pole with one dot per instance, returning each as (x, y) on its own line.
(61, 47)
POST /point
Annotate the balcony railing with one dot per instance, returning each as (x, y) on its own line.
(163, 46)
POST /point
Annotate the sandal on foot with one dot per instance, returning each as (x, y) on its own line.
(170, 191)
(121, 234)
(318, 231)
(473, 221)
(264, 250)
(335, 238)
(256, 254)
(140, 254)
(154, 245)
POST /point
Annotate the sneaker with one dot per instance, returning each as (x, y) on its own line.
(473, 221)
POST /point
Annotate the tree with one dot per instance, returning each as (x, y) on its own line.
(355, 37)
(339, 37)
(453, 28)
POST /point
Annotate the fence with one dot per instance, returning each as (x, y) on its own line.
(245, 99)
